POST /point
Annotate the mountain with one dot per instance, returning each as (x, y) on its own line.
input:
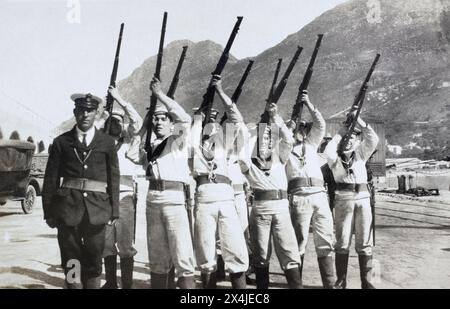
(410, 88)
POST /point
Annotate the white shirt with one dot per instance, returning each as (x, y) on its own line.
(312, 161)
(362, 153)
(172, 164)
(89, 135)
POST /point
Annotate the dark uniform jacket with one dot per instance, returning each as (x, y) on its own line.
(68, 206)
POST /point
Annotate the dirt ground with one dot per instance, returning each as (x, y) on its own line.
(412, 248)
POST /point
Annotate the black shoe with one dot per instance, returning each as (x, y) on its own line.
(220, 272)
(126, 270)
(293, 278)
(158, 281)
(209, 280)
(365, 269)
(186, 282)
(341, 271)
(326, 271)
(238, 280)
(110, 272)
(262, 278)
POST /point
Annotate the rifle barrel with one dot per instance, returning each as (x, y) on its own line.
(238, 91)
(283, 82)
(208, 97)
(176, 76)
(298, 107)
(112, 81)
(153, 98)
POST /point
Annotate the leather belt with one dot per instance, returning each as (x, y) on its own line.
(238, 187)
(84, 184)
(304, 182)
(352, 187)
(203, 179)
(161, 185)
(269, 195)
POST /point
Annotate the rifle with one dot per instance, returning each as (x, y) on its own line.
(275, 96)
(188, 206)
(371, 188)
(358, 102)
(298, 107)
(275, 80)
(372, 208)
(135, 197)
(112, 82)
(176, 76)
(208, 97)
(153, 98)
(238, 91)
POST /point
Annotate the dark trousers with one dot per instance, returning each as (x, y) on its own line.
(83, 243)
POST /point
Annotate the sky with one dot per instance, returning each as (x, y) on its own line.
(53, 48)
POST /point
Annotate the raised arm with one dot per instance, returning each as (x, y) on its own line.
(286, 138)
(369, 142)
(317, 131)
(230, 107)
(331, 148)
(175, 110)
(130, 111)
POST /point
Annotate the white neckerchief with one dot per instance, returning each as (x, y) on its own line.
(89, 135)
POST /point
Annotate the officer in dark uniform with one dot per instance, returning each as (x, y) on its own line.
(81, 193)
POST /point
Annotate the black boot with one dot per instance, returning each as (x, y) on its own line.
(171, 279)
(92, 283)
(73, 286)
(293, 278)
(110, 272)
(220, 269)
(186, 282)
(365, 269)
(302, 258)
(262, 277)
(341, 271)
(326, 271)
(209, 280)
(250, 270)
(158, 281)
(126, 270)
(238, 280)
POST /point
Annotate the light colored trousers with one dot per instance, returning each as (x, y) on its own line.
(220, 217)
(240, 203)
(263, 226)
(353, 216)
(169, 239)
(313, 209)
(119, 237)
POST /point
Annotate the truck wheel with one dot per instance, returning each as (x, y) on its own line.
(30, 200)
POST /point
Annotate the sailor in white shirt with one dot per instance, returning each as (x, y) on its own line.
(168, 233)
(214, 208)
(308, 199)
(120, 235)
(264, 168)
(238, 180)
(352, 200)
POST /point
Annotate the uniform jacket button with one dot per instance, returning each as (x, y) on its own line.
(85, 194)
